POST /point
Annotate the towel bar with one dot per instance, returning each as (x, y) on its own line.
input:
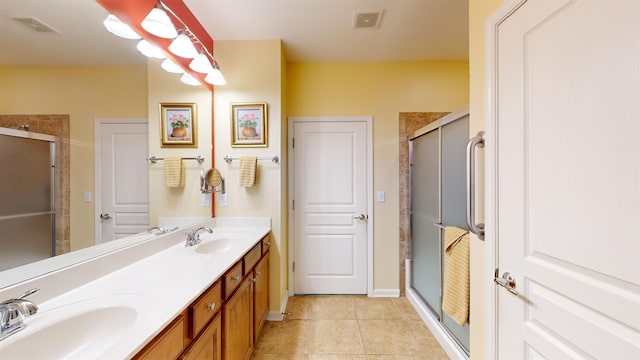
(154, 159)
(274, 159)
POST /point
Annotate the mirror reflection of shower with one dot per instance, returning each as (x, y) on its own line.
(211, 181)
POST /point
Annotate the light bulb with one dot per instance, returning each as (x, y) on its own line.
(201, 64)
(186, 78)
(215, 77)
(157, 22)
(118, 28)
(149, 50)
(171, 67)
(183, 47)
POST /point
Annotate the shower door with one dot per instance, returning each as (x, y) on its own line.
(438, 198)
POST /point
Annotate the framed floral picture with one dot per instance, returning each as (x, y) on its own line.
(249, 125)
(179, 126)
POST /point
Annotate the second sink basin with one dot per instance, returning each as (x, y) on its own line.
(82, 335)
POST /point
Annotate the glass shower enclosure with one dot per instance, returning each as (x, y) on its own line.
(438, 198)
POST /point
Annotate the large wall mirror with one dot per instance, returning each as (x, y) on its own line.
(79, 46)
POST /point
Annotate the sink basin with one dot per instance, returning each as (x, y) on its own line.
(82, 335)
(217, 245)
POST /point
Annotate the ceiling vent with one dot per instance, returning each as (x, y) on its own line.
(35, 24)
(367, 19)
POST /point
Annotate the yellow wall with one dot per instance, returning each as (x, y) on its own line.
(381, 90)
(479, 10)
(254, 71)
(166, 87)
(85, 93)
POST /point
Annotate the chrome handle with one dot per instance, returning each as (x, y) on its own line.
(476, 141)
(29, 292)
(105, 216)
(507, 281)
(211, 306)
(361, 217)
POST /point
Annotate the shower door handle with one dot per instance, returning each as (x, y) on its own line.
(476, 141)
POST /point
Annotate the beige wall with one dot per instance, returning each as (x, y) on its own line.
(254, 71)
(479, 10)
(166, 87)
(381, 90)
(85, 93)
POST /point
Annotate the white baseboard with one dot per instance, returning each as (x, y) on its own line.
(385, 293)
(444, 339)
(279, 316)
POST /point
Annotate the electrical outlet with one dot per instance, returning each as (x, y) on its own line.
(222, 200)
(206, 199)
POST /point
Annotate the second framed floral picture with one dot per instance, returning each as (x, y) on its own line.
(179, 126)
(249, 125)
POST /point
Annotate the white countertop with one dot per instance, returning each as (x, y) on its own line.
(156, 279)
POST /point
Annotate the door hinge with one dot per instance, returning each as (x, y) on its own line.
(293, 142)
(294, 204)
(293, 266)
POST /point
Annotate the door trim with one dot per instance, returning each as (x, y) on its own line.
(97, 195)
(369, 196)
(491, 174)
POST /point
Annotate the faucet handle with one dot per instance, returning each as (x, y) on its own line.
(29, 292)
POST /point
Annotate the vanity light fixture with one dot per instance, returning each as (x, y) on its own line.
(149, 50)
(170, 66)
(183, 46)
(157, 22)
(118, 28)
(186, 78)
(201, 64)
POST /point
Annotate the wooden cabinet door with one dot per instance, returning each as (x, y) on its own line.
(209, 345)
(238, 323)
(260, 295)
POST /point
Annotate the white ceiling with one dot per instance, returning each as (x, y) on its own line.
(311, 30)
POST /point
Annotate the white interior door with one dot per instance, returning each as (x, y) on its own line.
(122, 178)
(330, 213)
(567, 167)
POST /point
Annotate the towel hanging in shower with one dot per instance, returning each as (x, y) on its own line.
(455, 300)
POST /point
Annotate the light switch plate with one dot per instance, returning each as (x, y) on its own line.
(380, 196)
(86, 196)
(206, 199)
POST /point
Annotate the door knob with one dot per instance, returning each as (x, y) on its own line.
(361, 217)
(507, 281)
(105, 216)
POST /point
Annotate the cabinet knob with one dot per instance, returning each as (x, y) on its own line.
(211, 306)
(236, 278)
(268, 243)
(258, 273)
(254, 279)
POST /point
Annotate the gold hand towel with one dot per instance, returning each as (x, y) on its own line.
(173, 171)
(455, 301)
(248, 170)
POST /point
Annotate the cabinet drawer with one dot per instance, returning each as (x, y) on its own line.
(252, 257)
(168, 345)
(266, 244)
(232, 279)
(203, 309)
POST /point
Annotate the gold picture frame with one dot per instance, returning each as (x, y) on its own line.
(249, 124)
(179, 125)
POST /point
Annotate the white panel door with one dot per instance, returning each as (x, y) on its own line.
(330, 180)
(568, 180)
(123, 177)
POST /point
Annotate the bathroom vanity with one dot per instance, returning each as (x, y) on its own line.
(158, 299)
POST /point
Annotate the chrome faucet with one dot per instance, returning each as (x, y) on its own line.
(194, 236)
(160, 230)
(13, 312)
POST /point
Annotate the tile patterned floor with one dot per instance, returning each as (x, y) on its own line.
(336, 327)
